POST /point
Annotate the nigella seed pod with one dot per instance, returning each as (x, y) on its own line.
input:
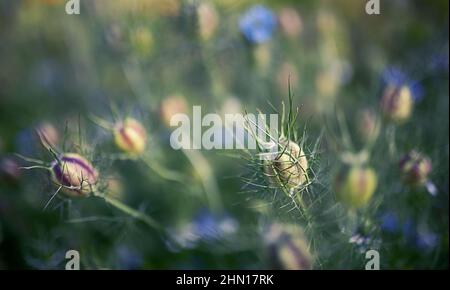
(75, 174)
(355, 185)
(368, 128)
(287, 247)
(290, 22)
(289, 167)
(397, 103)
(415, 168)
(48, 133)
(142, 41)
(208, 20)
(9, 170)
(130, 136)
(172, 105)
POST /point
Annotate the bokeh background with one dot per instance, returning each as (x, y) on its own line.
(149, 59)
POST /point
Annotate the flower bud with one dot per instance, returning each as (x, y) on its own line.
(142, 41)
(367, 125)
(287, 247)
(289, 166)
(130, 136)
(355, 186)
(48, 133)
(397, 103)
(9, 169)
(75, 173)
(415, 168)
(287, 73)
(208, 20)
(172, 105)
(290, 22)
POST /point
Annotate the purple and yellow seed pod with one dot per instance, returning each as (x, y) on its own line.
(289, 167)
(355, 185)
(75, 173)
(415, 168)
(397, 103)
(287, 247)
(130, 136)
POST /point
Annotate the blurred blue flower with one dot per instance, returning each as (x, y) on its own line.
(426, 240)
(25, 142)
(389, 222)
(209, 226)
(409, 229)
(439, 62)
(128, 259)
(257, 24)
(395, 76)
(205, 226)
(419, 238)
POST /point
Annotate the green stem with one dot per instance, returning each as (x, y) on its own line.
(205, 173)
(162, 171)
(130, 211)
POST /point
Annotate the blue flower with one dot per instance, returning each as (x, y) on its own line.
(258, 24)
(204, 227)
(395, 76)
(389, 222)
(426, 240)
(128, 259)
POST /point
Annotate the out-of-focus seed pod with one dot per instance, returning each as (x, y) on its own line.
(172, 105)
(289, 167)
(287, 247)
(115, 189)
(208, 20)
(142, 41)
(9, 169)
(263, 57)
(287, 72)
(327, 84)
(397, 103)
(130, 136)
(75, 173)
(290, 22)
(48, 133)
(355, 185)
(367, 125)
(415, 168)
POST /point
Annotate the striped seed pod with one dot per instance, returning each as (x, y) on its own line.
(287, 247)
(415, 168)
(355, 185)
(397, 103)
(130, 136)
(75, 174)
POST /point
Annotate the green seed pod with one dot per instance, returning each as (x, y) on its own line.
(287, 247)
(289, 167)
(75, 173)
(397, 103)
(415, 168)
(355, 185)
